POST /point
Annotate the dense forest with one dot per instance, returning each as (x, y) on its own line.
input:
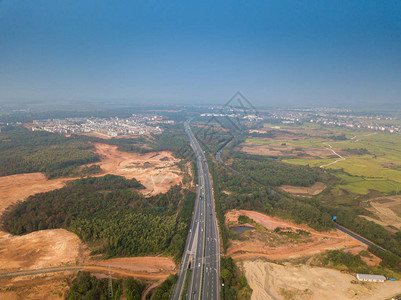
(273, 173)
(165, 290)
(89, 287)
(109, 214)
(24, 151)
(244, 190)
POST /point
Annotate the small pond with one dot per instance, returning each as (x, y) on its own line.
(240, 229)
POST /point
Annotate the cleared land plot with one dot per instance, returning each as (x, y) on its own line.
(157, 171)
(387, 211)
(19, 187)
(292, 242)
(273, 281)
(313, 190)
(285, 150)
(40, 249)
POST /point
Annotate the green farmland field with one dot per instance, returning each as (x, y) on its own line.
(379, 169)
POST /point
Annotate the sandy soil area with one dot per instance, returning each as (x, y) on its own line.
(318, 242)
(157, 171)
(313, 190)
(273, 281)
(40, 249)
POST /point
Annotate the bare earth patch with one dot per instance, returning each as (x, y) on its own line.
(49, 248)
(40, 249)
(273, 281)
(385, 209)
(263, 245)
(19, 187)
(313, 190)
(157, 171)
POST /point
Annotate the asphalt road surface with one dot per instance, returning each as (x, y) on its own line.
(202, 250)
(356, 236)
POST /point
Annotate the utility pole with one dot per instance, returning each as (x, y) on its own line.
(110, 285)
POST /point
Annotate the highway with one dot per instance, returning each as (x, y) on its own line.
(202, 250)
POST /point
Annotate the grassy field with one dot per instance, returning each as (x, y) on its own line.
(379, 169)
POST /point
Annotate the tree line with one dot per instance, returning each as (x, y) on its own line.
(24, 151)
(235, 284)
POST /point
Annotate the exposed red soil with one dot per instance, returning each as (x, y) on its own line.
(157, 171)
(319, 242)
(49, 248)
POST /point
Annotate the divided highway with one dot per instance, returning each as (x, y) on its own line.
(200, 265)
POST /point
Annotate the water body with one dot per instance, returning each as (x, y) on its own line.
(242, 228)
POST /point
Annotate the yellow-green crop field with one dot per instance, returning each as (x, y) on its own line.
(378, 170)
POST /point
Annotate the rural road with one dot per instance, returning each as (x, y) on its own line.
(334, 152)
(40, 271)
(93, 268)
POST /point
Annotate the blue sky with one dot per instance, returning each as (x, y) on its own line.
(275, 52)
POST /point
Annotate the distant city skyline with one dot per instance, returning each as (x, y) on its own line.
(277, 53)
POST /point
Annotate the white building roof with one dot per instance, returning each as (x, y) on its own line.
(370, 277)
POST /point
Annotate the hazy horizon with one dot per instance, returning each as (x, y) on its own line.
(277, 53)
